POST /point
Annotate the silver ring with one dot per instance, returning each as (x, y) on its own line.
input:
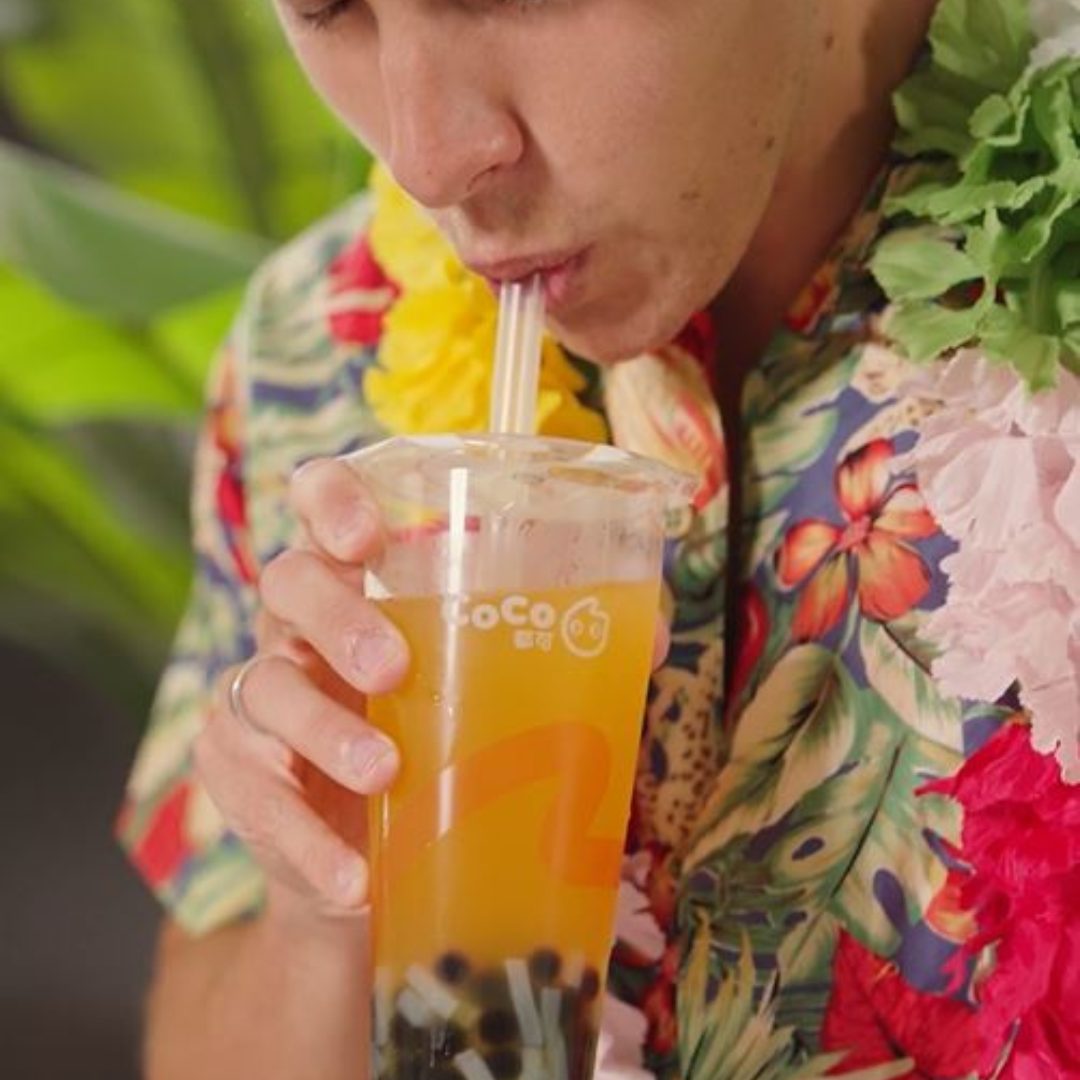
(236, 692)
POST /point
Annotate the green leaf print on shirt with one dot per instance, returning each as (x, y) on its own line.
(814, 812)
(897, 672)
(723, 1036)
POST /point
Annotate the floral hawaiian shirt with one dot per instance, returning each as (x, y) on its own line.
(792, 893)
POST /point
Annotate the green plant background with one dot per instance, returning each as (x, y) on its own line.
(151, 153)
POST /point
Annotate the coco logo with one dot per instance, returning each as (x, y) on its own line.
(516, 611)
(584, 627)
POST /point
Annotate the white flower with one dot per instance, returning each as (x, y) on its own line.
(999, 469)
(1057, 27)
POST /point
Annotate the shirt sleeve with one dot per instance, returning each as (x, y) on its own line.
(202, 874)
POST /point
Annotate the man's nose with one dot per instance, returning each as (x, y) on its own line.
(449, 127)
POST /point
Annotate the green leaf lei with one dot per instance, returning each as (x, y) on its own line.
(986, 248)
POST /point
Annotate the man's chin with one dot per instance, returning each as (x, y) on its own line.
(607, 342)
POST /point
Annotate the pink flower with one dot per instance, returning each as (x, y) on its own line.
(1021, 840)
(869, 549)
(1000, 470)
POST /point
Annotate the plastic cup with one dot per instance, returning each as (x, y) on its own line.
(525, 575)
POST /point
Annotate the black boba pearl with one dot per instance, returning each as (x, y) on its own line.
(590, 984)
(498, 1026)
(504, 1063)
(452, 968)
(544, 965)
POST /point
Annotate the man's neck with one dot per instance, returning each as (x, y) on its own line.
(866, 49)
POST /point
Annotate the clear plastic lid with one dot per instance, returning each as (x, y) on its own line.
(469, 512)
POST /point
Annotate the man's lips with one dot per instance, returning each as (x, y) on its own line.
(518, 268)
(557, 271)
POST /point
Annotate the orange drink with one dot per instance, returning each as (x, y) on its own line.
(518, 730)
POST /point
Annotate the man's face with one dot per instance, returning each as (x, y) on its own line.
(627, 147)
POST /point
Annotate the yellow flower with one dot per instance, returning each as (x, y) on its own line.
(404, 240)
(434, 369)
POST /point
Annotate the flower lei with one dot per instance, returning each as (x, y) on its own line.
(983, 274)
(436, 341)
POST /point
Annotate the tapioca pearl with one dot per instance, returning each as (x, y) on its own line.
(545, 965)
(499, 1026)
(453, 968)
(504, 1063)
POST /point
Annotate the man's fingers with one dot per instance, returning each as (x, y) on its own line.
(278, 699)
(349, 632)
(336, 510)
(267, 812)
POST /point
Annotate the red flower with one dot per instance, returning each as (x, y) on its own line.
(1021, 840)
(362, 295)
(162, 849)
(890, 577)
(876, 1016)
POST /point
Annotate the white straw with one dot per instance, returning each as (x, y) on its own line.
(517, 357)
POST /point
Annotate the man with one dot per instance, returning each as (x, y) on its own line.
(650, 160)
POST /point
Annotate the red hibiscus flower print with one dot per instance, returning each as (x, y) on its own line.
(868, 551)
(361, 295)
(163, 848)
(877, 1017)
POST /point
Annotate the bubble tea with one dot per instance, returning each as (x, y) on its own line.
(525, 575)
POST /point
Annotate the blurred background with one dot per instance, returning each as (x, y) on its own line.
(151, 153)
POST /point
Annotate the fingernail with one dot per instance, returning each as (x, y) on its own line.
(348, 881)
(373, 652)
(374, 762)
